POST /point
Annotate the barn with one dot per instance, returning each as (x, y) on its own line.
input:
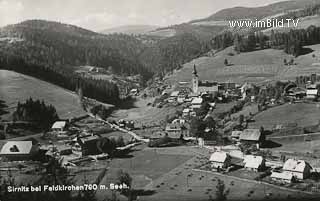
(18, 150)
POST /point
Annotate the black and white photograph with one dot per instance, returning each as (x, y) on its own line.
(159, 100)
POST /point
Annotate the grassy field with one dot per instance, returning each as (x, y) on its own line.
(183, 183)
(16, 87)
(256, 66)
(140, 113)
(304, 114)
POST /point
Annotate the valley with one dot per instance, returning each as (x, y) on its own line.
(190, 111)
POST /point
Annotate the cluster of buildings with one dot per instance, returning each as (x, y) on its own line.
(292, 170)
(304, 87)
(222, 160)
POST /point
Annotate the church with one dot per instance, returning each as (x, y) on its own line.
(199, 86)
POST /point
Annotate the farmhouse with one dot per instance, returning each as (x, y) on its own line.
(88, 144)
(220, 160)
(252, 136)
(297, 92)
(175, 130)
(282, 177)
(186, 112)
(298, 168)
(312, 92)
(18, 150)
(235, 135)
(196, 103)
(59, 127)
(254, 163)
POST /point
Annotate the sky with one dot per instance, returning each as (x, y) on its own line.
(98, 15)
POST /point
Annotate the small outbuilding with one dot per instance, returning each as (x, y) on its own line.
(282, 177)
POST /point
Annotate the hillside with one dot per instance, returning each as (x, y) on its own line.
(57, 45)
(258, 12)
(16, 87)
(257, 66)
(130, 29)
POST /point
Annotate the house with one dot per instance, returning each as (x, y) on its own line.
(297, 92)
(252, 136)
(59, 127)
(298, 168)
(220, 160)
(175, 130)
(254, 163)
(196, 103)
(89, 144)
(245, 88)
(134, 92)
(19, 150)
(283, 177)
(312, 92)
(235, 135)
(173, 96)
(186, 112)
(208, 87)
(181, 98)
(178, 121)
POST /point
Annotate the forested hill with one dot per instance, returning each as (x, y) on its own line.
(54, 45)
(258, 12)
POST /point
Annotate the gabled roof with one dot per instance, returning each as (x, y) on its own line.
(250, 135)
(59, 125)
(174, 94)
(220, 157)
(295, 165)
(252, 161)
(282, 175)
(197, 101)
(16, 147)
(186, 110)
(236, 133)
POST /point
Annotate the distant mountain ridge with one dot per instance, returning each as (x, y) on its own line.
(130, 29)
(257, 12)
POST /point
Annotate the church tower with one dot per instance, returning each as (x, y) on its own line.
(195, 80)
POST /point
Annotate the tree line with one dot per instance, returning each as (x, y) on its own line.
(36, 111)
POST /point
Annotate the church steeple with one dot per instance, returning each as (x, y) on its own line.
(194, 70)
(195, 80)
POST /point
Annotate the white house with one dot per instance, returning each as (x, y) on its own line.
(235, 135)
(312, 93)
(298, 168)
(196, 103)
(220, 160)
(186, 112)
(59, 126)
(254, 163)
(18, 150)
(283, 177)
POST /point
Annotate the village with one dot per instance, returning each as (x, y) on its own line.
(215, 120)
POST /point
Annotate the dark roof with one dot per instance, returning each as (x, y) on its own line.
(250, 135)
